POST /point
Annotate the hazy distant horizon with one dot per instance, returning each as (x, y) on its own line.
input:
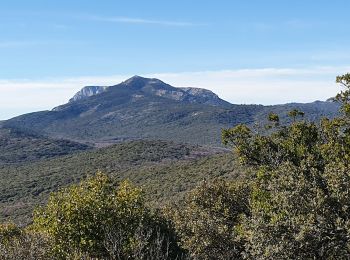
(236, 87)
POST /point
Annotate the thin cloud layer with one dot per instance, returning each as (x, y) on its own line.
(247, 86)
(133, 20)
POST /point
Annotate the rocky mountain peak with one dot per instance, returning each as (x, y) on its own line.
(86, 92)
(140, 82)
(151, 86)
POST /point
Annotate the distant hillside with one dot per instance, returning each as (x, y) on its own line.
(165, 170)
(142, 108)
(314, 111)
(18, 146)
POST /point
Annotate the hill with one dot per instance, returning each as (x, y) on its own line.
(19, 146)
(165, 170)
(143, 108)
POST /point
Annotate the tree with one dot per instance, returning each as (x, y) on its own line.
(295, 113)
(208, 221)
(300, 191)
(104, 220)
(272, 117)
(344, 96)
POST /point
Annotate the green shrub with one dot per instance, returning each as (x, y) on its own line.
(300, 193)
(103, 219)
(208, 220)
(17, 243)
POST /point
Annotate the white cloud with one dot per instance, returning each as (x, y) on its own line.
(132, 20)
(263, 86)
(245, 86)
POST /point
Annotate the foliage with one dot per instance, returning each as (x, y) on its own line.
(295, 113)
(344, 96)
(102, 220)
(8, 231)
(273, 117)
(17, 243)
(300, 191)
(208, 220)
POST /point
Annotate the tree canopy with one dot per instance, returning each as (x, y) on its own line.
(104, 219)
(301, 185)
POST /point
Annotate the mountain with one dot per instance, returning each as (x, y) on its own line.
(145, 108)
(159, 88)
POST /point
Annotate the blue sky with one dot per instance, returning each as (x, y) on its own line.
(247, 51)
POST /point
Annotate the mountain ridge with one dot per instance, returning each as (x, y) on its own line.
(158, 88)
(19, 147)
(146, 108)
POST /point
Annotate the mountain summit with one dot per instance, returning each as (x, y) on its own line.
(157, 87)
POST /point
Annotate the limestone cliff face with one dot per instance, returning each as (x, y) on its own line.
(86, 92)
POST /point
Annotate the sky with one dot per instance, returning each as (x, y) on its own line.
(251, 51)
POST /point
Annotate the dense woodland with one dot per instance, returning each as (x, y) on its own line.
(165, 171)
(288, 199)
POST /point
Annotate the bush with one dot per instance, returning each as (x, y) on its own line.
(104, 220)
(300, 194)
(208, 221)
(16, 243)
